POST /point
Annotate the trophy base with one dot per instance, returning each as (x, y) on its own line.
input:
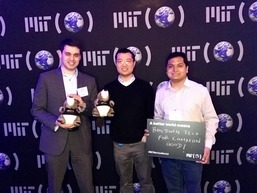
(103, 110)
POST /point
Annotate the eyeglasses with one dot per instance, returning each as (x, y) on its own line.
(124, 61)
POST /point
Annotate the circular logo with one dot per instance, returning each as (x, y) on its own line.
(137, 53)
(44, 60)
(136, 187)
(225, 122)
(223, 51)
(251, 155)
(252, 12)
(221, 186)
(164, 17)
(73, 22)
(252, 86)
(5, 161)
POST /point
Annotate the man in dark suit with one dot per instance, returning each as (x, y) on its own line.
(61, 141)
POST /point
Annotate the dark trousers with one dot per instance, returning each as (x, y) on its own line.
(181, 176)
(127, 155)
(80, 161)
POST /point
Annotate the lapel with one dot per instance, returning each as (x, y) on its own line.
(60, 83)
(80, 80)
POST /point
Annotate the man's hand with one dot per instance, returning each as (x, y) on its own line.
(95, 112)
(64, 125)
(146, 134)
(206, 156)
(79, 99)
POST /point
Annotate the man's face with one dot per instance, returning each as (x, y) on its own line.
(176, 69)
(70, 57)
(125, 64)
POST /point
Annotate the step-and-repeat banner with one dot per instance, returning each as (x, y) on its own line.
(219, 38)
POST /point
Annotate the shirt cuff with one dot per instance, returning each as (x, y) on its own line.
(209, 143)
(56, 128)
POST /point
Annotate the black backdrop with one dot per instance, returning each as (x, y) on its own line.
(208, 31)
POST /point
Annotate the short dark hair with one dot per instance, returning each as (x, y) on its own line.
(70, 42)
(125, 50)
(177, 54)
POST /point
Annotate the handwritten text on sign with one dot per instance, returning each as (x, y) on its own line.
(175, 139)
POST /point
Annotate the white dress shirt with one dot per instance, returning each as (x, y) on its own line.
(70, 83)
(191, 103)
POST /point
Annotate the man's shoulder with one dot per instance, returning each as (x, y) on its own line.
(110, 84)
(200, 88)
(85, 75)
(142, 82)
(52, 72)
(162, 85)
(197, 84)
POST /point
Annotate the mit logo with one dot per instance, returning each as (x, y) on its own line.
(11, 61)
(39, 24)
(18, 129)
(128, 19)
(221, 88)
(97, 58)
(220, 13)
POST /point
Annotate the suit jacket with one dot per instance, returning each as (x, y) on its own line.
(49, 95)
